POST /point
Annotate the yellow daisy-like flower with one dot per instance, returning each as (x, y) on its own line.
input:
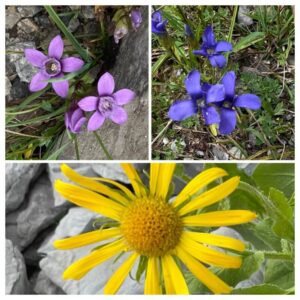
(150, 226)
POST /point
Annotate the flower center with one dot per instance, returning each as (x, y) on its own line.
(105, 105)
(52, 67)
(151, 227)
(210, 51)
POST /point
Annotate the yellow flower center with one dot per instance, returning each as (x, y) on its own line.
(151, 227)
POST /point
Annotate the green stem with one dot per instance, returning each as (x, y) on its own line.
(233, 18)
(272, 255)
(102, 146)
(76, 148)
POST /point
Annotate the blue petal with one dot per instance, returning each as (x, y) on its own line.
(188, 31)
(192, 84)
(157, 17)
(215, 94)
(223, 46)
(181, 110)
(228, 121)
(209, 37)
(210, 115)
(228, 81)
(205, 87)
(217, 60)
(248, 101)
(202, 51)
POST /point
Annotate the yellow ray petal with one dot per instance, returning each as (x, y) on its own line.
(198, 182)
(220, 218)
(93, 185)
(165, 175)
(154, 171)
(90, 200)
(211, 196)
(152, 282)
(135, 179)
(209, 279)
(209, 255)
(173, 278)
(216, 240)
(86, 238)
(81, 267)
(117, 279)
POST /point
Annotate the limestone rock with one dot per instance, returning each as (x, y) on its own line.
(44, 286)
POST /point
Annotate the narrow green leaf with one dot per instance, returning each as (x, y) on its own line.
(262, 289)
(56, 154)
(249, 40)
(159, 62)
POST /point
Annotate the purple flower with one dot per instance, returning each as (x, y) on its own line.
(74, 119)
(52, 66)
(158, 24)
(188, 31)
(107, 104)
(212, 49)
(227, 113)
(121, 30)
(136, 18)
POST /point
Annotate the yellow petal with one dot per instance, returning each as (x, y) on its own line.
(198, 182)
(135, 179)
(211, 196)
(152, 281)
(154, 171)
(209, 255)
(93, 185)
(86, 238)
(90, 200)
(165, 175)
(117, 279)
(220, 218)
(216, 240)
(209, 279)
(173, 278)
(81, 267)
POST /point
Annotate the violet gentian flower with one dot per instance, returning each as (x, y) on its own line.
(182, 109)
(227, 113)
(74, 119)
(158, 24)
(136, 18)
(212, 49)
(52, 66)
(107, 104)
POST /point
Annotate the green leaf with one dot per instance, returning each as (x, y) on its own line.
(262, 289)
(60, 24)
(249, 40)
(141, 267)
(47, 106)
(279, 176)
(162, 58)
(56, 154)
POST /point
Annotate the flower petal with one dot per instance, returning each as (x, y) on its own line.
(38, 82)
(56, 47)
(228, 81)
(95, 121)
(202, 51)
(210, 114)
(106, 84)
(71, 64)
(164, 178)
(152, 282)
(118, 115)
(220, 218)
(223, 46)
(116, 280)
(88, 103)
(192, 84)
(79, 124)
(76, 115)
(217, 60)
(209, 37)
(228, 120)
(216, 93)
(248, 101)
(35, 57)
(181, 110)
(61, 88)
(124, 96)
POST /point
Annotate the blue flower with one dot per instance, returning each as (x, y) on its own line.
(188, 31)
(158, 24)
(212, 49)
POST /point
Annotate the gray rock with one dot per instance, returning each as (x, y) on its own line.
(12, 17)
(243, 17)
(74, 24)
(130, 140)
(44, 286)
(111, 171)
(27, 26)
(219, 153)
(236, 153)
(88, 11)
(23, 225)
(7, 86)
(255, 279)
(17, 180)
(27, 11)
(19, 89)
(17, 47)
(55, 173)
(16, 281)
(25, 70)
